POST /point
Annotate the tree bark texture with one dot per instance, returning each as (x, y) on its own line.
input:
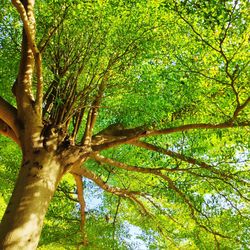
(23, 219)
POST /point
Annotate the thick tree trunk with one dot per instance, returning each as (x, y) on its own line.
(22, 222)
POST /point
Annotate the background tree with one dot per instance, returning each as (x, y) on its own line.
(146, 99)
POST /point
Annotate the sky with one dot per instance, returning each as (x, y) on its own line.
(94, 200)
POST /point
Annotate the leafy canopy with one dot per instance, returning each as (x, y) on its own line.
(156, 66)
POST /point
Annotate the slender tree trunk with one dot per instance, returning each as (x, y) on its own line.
(22, 222)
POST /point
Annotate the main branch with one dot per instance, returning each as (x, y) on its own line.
(131, 135)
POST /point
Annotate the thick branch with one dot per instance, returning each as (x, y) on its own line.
(26, 22)
(27, 15)
(22, 87)
(196, 126)
(9, 115)
(7, 131)
(140, 132)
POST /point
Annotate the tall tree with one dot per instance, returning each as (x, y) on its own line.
(148, 99)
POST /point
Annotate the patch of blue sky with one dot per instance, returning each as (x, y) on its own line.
(134, 237)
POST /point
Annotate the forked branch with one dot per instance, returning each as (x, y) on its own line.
(193, 209)
(187, 159)
(26, 13)
(131, 195)
(239, 108)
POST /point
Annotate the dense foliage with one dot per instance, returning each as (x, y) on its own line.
(178, 70)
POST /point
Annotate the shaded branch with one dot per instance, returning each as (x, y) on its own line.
(66, 193)
(77, 119)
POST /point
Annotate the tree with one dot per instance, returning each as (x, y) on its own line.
(148, 99)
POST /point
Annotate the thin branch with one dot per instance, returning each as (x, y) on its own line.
(66, 194)
(227, 199)
(199, 73)
(44, 41)
(239, 108)
(195, 31)
(184, 158)
(80, 195)
(171, 185)
(99, 182)
(159, 208)
(156, 172)
(124, 166)
(93, 112)
(229, 24)
(192, 208)
(115, 217)
(223, 180)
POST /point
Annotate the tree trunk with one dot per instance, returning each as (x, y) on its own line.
(22, 222)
